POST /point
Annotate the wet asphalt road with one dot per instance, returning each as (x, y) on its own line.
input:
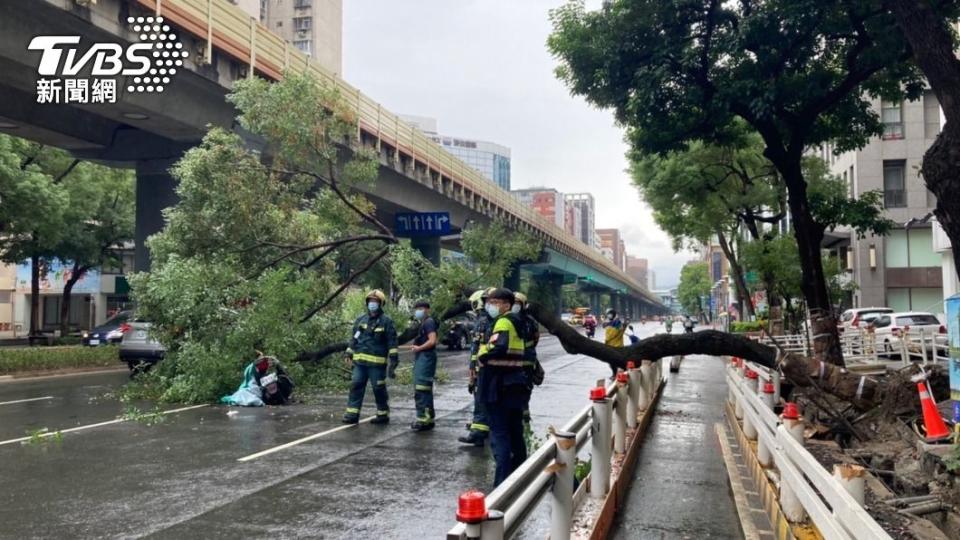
(680, 487)
(182, 478)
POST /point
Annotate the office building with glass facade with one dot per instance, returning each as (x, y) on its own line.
(490, 159)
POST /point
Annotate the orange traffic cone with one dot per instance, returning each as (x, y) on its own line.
(932, 421)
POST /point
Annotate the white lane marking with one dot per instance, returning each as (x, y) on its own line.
(25, 400)
(91, 426)
(303, 440)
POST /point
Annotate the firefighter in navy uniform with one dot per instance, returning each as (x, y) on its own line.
(504, 383)
(424, 367)
(373, 350)
(531, 332)
(478, 428)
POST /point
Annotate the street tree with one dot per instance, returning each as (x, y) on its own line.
(98, 219)
(800, 73)
(711, 191)
(929, 28)
(248, 257)
(33, 207)
(694, 285)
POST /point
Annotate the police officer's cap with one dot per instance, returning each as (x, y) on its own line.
(501, 293)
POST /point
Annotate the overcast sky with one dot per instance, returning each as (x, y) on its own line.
(481, 68)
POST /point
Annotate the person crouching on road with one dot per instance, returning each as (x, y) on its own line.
(373, 344)
(479, 427)
(424, 366)
(504, 386)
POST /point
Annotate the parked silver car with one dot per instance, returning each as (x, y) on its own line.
(137, 348)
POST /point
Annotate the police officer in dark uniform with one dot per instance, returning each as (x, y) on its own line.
(504, 383)
(373, 350)
(479, 427)
(424, 366)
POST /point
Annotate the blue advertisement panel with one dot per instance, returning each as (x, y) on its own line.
(953, 329)
(54, 274)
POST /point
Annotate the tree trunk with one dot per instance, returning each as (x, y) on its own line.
(864, 393)
(75, 274)
(743, 294)
(933, 49)
(813, 284)
(34, 295)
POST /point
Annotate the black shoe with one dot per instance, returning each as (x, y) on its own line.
(420, 426)
(474, 438)
(380, 419)
(351, 418)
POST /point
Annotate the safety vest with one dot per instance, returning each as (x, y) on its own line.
(514, 356)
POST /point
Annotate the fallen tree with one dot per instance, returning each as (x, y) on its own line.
(864, 393)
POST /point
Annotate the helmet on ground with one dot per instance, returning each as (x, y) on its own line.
(378, 295)
(520, 298)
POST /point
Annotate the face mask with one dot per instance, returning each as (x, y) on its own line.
(372, 307)
(492, 310)
(515, 308)
(419, 314)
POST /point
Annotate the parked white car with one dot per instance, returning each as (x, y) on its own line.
(859, 317)
(889, 328)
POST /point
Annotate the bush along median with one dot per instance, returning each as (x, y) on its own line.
(15, 360)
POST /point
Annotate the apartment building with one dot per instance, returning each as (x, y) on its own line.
(900, 270)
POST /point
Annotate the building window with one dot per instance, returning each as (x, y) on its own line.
(302, 24)
(931, 115)
(894, 188)
(300, 4)
(891, 114)
(915, 252)
(304, 45)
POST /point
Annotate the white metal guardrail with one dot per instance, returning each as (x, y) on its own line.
(858, 345)
(806, 488)
(603, 423)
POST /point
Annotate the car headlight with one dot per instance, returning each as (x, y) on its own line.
(85, 335)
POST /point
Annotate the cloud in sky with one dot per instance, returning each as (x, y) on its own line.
(481, 68)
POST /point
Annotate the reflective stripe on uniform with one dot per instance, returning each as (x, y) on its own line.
(353, 410)
(383, 413)
(479, 427)
(373, 359)
(423, 387)
(510, 363)
(382, 382)
(392, 351)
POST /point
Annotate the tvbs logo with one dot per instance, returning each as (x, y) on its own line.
(148, 65)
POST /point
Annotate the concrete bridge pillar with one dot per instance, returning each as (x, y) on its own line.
(551, 287)
(428, 246)
(155, 191)
(595, 303)
(512, 281)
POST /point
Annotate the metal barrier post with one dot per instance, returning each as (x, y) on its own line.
(923, 346)
(646, 380)
(561, 510)
(904, 355)
(749, 429)
(775, 379)
(793, 422)
(600, 444)
(791, 505)
(494, 527)
(620, 419)
(851, 477)
(633, 392)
